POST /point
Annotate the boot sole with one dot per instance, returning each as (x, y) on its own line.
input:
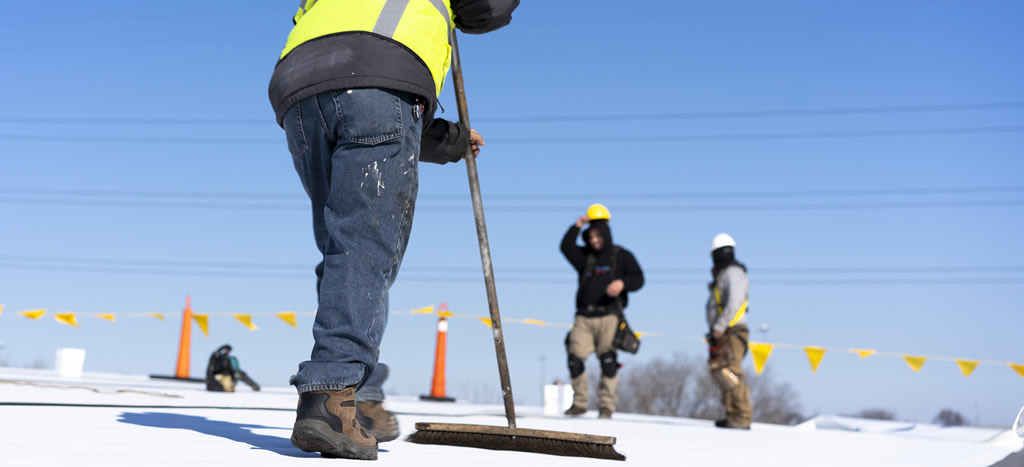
(384, 436)
(317, 436)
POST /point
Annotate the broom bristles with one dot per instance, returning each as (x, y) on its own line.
(496, 442)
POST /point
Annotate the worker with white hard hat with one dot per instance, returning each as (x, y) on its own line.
(728, 336)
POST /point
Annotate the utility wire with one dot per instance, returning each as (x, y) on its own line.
(711, 137)
(711, 115)
(538, 208)
(515, 270)
(37, 192)
(561, 282)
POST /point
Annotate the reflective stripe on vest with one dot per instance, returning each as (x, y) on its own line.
(424, 26)
(721, 309)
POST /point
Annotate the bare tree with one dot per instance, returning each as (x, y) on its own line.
(877, 414)
(949, 417)
(659, 387)
(774, 402)
(682, 387)
(477, 392)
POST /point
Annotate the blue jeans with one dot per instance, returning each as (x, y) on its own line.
(356, 152)
(373, 390)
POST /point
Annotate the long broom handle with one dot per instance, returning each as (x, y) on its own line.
(481, 233)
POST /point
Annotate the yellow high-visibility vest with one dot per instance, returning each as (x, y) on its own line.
(423, 26)
(721, 309)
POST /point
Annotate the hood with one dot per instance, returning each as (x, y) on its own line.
(606, 233)
(722, 258)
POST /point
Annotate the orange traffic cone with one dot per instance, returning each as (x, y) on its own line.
(437, 385)
(185, 344)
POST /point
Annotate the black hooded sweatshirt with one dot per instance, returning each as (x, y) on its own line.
(591, 291)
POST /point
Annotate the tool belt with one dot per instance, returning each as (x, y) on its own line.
(597, 310)
(719, 351)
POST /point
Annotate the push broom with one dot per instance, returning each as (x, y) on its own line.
(495, 437)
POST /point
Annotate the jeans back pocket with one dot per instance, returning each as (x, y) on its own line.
(369, 116)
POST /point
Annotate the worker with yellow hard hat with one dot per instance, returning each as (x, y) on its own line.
(607, 273)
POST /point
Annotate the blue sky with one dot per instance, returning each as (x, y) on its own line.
(138, 150)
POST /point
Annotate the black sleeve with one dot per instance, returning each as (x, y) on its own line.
(444, 142)
(632, 276)
(571, 251)
(480, 16)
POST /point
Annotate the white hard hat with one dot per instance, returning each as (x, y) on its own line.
(720, 240)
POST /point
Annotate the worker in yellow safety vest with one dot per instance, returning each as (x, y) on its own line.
(728, 337)
(355, 89)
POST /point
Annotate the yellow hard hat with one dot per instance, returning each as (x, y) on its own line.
(598, 212)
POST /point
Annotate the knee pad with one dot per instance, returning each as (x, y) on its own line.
(575, 366)
(609, 364)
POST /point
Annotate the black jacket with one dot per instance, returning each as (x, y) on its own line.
(365, 60)
(591, 291)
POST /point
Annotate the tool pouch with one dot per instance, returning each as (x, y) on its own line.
(625, 339)
(719, 358)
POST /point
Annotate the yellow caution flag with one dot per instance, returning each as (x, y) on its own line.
(486, 321)
(246, 320)
(534, 321)
(32, 314)
(761, 353)
(159, 316)
(1, 309)
(66, 318)
(445, 314)
(107, 316)
(967, 366)
(423, 311)
(1018, 368)
(288, 317)
(864, 353)
(203, 320)
(814, 355)
(915, 362)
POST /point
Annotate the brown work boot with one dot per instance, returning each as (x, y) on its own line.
(605, 413)
(726, 424)
(576, 411)
(378, 422)
(325, 422)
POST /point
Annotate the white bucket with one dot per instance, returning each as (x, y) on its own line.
(70, 362)
(557, 398)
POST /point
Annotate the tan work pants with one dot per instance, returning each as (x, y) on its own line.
(735, 399)
(593, 335)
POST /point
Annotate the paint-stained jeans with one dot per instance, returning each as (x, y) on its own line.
(373, 390)
(356, 152)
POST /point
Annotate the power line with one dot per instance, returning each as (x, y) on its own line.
(711, 115)
(533, 196)
(307, 268)
(711, 137)
(434, 278)
(895, 109)
(762, 136)
(539, 208)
